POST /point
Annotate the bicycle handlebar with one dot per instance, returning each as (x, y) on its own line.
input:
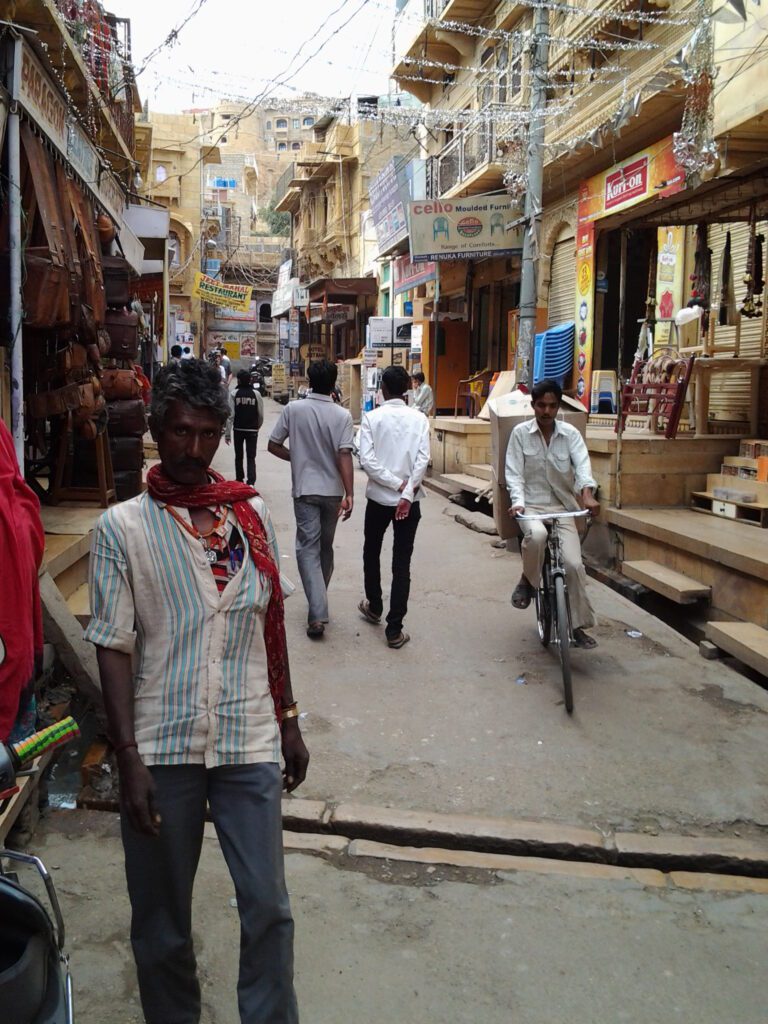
(38, 743)
(549, 516)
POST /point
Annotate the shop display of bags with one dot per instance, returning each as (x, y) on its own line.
(117, 280)
(128, 483)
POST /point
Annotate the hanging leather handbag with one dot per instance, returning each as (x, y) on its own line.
(120, 384)
(46, 284)
(123, 328)
(60, 401)
(126, 418)
(128, 483)
(117, 280)
(88, 248)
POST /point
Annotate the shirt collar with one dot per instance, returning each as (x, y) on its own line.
(394, 401)
(533, 426)
(319, 398)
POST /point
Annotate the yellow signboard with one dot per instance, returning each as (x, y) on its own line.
(219, 293)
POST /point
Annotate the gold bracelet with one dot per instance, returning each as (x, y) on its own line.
(292, 711)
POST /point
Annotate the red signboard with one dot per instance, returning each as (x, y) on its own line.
(629, 182)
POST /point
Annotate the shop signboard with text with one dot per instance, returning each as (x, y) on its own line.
(654, 172)
(218, 293)
(462, 229)
(410, 275)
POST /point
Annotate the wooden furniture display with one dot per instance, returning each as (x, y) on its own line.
(660, 400)
(725, 497)
(704, 369)
(104, 492)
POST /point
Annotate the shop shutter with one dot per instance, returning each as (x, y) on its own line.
(562, 287)
(730, 395)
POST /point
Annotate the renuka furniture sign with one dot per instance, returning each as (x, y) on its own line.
(462, 229)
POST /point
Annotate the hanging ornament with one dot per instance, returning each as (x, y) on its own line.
(694, 146)
(752, 306)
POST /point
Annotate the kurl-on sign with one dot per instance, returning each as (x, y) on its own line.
(462, 229)
(629, 182)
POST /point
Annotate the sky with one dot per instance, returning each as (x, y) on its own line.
(237, 49)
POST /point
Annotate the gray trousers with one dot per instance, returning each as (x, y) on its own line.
(246, 811)
(316, 519)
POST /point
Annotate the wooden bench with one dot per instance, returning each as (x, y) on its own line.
(674, 585)
(744, 640)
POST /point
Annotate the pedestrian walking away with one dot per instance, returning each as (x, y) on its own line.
(320, 439)
(245, 423)
(548, 470)
(187, 619)
(394, 452)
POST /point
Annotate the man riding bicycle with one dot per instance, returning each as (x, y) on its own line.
(548, 470)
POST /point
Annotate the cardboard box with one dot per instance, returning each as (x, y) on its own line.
(505, 414)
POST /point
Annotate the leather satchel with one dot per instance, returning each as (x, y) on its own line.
(126, 418)
(123, 329)
(117, 280)
(120, 384)
(87, 241)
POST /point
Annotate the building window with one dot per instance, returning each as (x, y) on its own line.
(281, 147)
(281, 122)
(308, 122)
(295, 123)
(269, 126)
(265, 313)
(296, 145)
(161, 174)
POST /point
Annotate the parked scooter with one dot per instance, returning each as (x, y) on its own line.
(35, 983)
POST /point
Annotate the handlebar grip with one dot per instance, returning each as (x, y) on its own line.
(38, 743)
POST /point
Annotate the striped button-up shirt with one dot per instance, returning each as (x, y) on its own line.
(201, 686)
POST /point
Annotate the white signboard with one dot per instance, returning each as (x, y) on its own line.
(462, 229)
(417, 336)
(384, 330)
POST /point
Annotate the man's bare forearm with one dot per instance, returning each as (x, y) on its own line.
(346, 471)
(117, 688)
(279, 450)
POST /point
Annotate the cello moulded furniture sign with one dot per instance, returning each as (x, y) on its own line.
(460, 229)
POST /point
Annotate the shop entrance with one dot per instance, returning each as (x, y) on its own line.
(640, 250)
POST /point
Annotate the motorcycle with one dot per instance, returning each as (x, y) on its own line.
(260, 371)
(35, 982)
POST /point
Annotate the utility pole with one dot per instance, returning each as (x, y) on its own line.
(535, 175)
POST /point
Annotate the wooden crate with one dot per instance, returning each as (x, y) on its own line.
(749, 513)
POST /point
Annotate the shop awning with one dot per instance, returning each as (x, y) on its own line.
(337, 289)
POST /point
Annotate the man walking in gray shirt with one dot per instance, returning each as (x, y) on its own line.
(320, 453)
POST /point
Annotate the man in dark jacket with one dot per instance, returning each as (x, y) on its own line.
(246, 420)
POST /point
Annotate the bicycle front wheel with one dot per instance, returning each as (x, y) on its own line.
(563, 632)
(544, 614)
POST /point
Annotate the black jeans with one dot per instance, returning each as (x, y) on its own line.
(377, 519)
(249, 438)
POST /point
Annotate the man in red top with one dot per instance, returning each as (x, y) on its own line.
(22, 541)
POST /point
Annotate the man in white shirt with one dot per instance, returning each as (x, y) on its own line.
(423, 398)
(394, 452)
(548, 470)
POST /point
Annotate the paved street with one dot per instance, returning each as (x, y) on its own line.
(661, 743)
(659, 738)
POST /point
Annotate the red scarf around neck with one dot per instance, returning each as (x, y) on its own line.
(228, 492)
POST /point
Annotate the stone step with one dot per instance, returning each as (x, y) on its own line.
(665, 581)
(465, 482)
(744, 640)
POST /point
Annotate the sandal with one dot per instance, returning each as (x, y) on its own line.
(315, 630)
(398, 641)
(365, 610)
(522, 595)
(584, 640)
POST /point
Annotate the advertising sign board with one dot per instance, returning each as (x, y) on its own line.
(462, 229)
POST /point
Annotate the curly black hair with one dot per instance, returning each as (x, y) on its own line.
(193, 381)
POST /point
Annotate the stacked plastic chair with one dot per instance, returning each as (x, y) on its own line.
(553, 353)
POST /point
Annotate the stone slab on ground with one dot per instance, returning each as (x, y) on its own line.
(713, 853)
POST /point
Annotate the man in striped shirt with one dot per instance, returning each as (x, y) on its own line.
(188, 624)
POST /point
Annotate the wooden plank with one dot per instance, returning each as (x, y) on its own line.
(663, 580)
(467, 483)
(63, 630)
(63, 550)
(79, 602)
(744, 640)
(482, 470)
(27, 788)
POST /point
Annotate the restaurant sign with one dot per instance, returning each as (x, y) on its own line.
(234, 296)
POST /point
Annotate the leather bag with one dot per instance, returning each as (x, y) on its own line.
(60, 401)
(126, 418)
(88, 248)
(128, 483)
(120, 384)
(47, 280)
(123, 328)
(117, 280)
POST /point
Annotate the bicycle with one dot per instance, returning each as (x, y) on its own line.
(553, 610)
